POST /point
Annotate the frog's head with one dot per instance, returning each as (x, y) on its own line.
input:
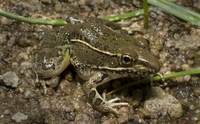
(135, 60)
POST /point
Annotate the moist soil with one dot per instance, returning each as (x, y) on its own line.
(174, 42)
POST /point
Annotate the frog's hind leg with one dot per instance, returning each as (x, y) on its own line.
(95, 99)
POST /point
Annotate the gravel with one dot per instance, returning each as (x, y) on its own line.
(11, 79)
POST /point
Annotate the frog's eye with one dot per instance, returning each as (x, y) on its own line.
(126, 59)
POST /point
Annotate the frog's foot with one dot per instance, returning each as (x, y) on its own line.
(113, 100)
(112, 104)
(102, 105)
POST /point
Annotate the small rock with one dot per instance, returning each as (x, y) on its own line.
(25, 42)
(29, 93)
(123, 120)
(19, 117)
(46, 1)
(188, 42)
(1, 78)
(6, 112)
(161, 102)
(52, 82)
(72, 122)
(82, 119)
(65, 86)
(44, 104)
(11, 79)
(175, 111)
(197, 92)
(3, 38)
(5, 21)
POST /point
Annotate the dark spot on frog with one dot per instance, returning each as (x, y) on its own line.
(106, 48)
(71, 54)
(97, 45)
(102, 78)
(92, 95)
(40, 75)
(98, 102)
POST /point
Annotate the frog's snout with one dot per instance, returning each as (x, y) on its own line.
(155, 65)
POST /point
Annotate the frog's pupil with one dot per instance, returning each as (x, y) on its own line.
(126, 59)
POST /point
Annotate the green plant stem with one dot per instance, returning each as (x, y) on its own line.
(177, 10)
(157, 78)
(125, 16)
(146, 15)
(63, 22)
(32, 21)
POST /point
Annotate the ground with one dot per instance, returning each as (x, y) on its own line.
(175, 43)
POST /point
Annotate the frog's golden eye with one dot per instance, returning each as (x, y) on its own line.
(126, 59)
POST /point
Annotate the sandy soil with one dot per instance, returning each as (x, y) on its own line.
(22, 100)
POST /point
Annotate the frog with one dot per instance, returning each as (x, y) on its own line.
(99, 52)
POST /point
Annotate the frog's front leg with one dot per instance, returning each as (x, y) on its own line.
(95, 98)
(51, 82)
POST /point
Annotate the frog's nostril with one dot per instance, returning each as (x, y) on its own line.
(146, 63)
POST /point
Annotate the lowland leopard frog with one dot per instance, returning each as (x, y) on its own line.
(99, 52)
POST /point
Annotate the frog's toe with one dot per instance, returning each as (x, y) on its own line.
(114, 100)
(117, 104)
(109, 106)
(100, 103)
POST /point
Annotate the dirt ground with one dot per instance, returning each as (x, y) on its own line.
(175, 43)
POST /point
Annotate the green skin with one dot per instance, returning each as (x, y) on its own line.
(99, 51)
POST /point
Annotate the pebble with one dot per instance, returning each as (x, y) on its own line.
(197, 92)
(29, 93)
(2, 38)
(6, 112)
(82, 119)
(160, 102)
(19, 117)
(46, 1)
(123, 120)
(11, 79)
(5, 21)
